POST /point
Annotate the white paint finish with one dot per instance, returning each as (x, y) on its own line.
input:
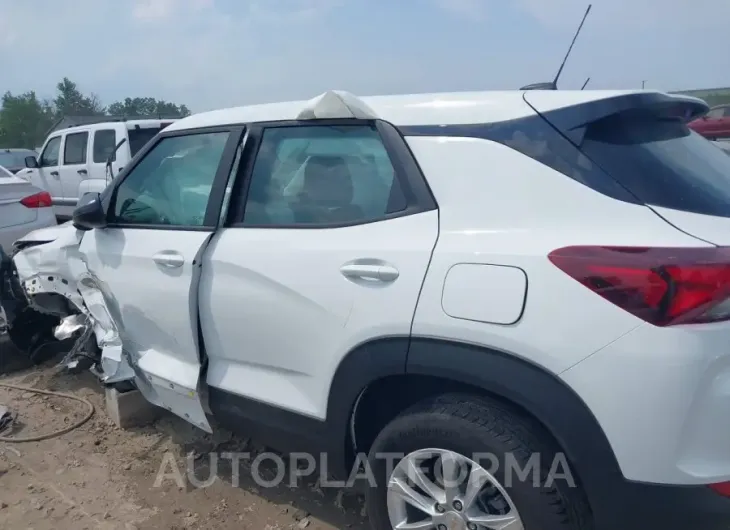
(411, 109)
(708, 227)
(152, 306)
(15, 219)
(68, 185)
(498, 206)
(491, 294)
(70, 175)
(662, 397)
(278, 316)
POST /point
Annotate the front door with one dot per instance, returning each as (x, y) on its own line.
(148, 260)
(46, 176)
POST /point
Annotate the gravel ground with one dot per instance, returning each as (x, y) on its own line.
(101, 477)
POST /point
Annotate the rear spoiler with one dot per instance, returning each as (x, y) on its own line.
(572, 121)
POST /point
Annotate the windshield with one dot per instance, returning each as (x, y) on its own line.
(14, 159)
(662, 162)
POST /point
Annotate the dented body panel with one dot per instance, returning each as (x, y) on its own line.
(89, 270)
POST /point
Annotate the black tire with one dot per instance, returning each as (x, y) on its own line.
(467, 425)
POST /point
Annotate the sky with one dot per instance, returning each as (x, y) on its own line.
(212, 54)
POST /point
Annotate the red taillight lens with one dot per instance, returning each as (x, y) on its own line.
(722, 488)
(39, 200)
(663, 286)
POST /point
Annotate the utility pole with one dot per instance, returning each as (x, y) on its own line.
(643, 85)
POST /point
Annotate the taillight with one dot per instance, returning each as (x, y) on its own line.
(663, 286)
(722, 488)
(38, 200)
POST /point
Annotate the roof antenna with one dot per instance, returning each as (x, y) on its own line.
(553, 85)
(585, 84)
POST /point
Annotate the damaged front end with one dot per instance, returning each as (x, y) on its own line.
(51, 303)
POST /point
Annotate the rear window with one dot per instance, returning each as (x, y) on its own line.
(662, 162)
(138, 138)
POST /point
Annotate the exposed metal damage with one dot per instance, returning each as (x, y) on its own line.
(54, 298)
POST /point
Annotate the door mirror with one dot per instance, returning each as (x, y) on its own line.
(31, 162)
(90, 213)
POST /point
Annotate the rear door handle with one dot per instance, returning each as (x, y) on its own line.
(370, 271)
(169, 259)
(54, 173)
(82, 172)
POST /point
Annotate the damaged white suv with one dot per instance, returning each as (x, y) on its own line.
(477, 283)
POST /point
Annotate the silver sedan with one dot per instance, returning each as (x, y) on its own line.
(23, 208)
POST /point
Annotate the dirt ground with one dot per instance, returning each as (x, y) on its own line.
(100, 477)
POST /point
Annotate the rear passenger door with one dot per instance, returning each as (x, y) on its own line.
(74, 166)
(328, 242)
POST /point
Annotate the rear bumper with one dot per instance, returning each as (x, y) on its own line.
(648, 506)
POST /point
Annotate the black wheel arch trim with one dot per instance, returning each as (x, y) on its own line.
(540, 393)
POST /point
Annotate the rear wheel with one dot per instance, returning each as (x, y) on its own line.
(463, 463)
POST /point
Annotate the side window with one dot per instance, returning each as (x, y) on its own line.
(74, 150)
(172, 183)
(105, 140)
(49, 157)
(322, 175)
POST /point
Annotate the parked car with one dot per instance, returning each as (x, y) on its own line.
(715, 124)
(14, 159)
(527, 290)
(23, 208)
(73, 161)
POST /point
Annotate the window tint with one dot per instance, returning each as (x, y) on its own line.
(105, 141)
(171, 184)
(662, 162)
(138, 138)
(49, 157)
(74, 149)
(322, 175)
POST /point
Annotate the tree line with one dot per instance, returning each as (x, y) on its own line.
(25, 119)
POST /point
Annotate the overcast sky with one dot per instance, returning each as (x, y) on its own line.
(218, 53)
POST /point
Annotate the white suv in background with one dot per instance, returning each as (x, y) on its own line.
(529, 289)
(73, 161)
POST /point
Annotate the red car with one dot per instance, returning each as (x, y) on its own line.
(715, 124)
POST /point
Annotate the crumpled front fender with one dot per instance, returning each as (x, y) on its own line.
(59, 267)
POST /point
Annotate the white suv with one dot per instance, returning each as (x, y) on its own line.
(530, 289)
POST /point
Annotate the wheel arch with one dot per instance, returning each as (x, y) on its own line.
(419, 367)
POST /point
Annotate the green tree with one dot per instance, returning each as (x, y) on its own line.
(147, 107)
(71, 102)
(24, 120)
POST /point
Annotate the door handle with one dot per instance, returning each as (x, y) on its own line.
(370, 272)
(82, 172)
(170, 260)
(54, 173)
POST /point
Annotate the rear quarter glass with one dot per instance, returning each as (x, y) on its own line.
(635, 148)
